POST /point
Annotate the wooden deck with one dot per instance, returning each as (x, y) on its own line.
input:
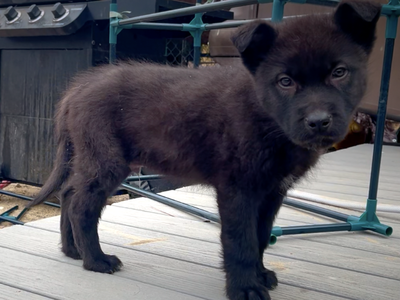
(169, 254)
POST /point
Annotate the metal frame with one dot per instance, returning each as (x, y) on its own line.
(368, 220)
(6, 217)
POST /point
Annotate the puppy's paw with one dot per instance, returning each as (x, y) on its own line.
(244, 289)
(258, 292)
(269, 279)
(71, 252)
(106, 264)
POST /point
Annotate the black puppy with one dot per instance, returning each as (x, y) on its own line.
(250, 132)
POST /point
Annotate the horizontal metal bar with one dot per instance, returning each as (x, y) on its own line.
(331, 3)
(289, 230)
(316, 209)
(13, 221)
(211, 7)
(173, 203)
(144, 177)
(187, 11)
(23, 197)
(149, 25)
(184, 27)
(189, 27)
(229, 24)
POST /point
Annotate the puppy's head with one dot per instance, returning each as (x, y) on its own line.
(311, 72)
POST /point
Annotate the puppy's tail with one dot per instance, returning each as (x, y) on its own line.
(61, 168)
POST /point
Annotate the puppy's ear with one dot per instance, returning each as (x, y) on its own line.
(253, 40)
(358, 18)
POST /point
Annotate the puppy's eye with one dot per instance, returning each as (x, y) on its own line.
(285, 82)
(339, 72)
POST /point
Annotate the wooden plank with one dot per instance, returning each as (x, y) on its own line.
(385, 196)
(210, 279)
(349, 168)
(11, 293)
(384, 217)
(349, 174)
(286, 216)
(297, 249)
(181, 276)
(361, 198)
(67, 281)
(203, 202)
(362, 154)
(291, 265)
(154, 242)
(350, 178)
(203, 231)
(355, 162)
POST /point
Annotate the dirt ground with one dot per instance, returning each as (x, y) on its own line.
(38, 212)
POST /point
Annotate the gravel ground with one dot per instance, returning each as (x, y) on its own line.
(38, 212)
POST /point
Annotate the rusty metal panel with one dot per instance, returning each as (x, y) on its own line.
(31, 84)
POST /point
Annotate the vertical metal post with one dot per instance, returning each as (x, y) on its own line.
(113, 33)
(196, 48)
(391, 30)
(278, 7)
(197, 37)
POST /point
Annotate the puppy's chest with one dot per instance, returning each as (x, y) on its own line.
(287, 182)
(300, 164)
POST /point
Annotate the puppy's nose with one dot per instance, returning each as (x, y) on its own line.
(318, 121)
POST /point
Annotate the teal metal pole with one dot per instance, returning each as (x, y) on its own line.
(197, 44)
(331, 3)
(391, 31)
(23, 197)
(173, 203)
(11, 220)
(113, 33)
(144, 177)
(197, 22)
(278, 7)
(158, 26)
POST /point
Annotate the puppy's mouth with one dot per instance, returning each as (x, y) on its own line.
(316, 143)
(322, 144)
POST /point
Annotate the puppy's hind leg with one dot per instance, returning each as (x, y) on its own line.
(67, 237)
(93, 183)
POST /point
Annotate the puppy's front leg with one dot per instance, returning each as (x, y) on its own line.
(241, 250)
(267, 212)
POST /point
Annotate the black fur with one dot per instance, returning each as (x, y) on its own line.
(248, 132)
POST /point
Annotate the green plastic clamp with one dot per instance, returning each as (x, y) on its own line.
(276, 231)
(196, 28)
(369, 221)
(392, 13)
